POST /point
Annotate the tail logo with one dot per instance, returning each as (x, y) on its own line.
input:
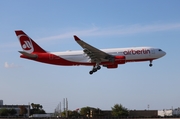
(26, 43)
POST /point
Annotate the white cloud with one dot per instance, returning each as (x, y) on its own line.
(116, 30)
(70, 34)
(12, 65)
(106, 31)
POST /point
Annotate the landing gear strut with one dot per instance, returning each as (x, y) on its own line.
(150, 63)
(95, 69)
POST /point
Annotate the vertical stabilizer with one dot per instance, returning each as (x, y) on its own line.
(27, 44)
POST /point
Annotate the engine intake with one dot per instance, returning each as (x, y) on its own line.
(120, 59)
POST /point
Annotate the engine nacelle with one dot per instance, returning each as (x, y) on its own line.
(112, 66)
(117, 60)
(120, 59)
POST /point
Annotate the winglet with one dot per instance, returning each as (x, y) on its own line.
(76, 38)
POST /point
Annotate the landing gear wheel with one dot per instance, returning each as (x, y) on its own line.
(91, 72)
(98, 67)
(150, 65)
(94, 70)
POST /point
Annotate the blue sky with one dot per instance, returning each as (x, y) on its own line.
(103, 24)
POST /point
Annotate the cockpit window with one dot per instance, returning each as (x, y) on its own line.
(160, 50)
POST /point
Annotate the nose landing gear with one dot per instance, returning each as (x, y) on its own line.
(150, 63)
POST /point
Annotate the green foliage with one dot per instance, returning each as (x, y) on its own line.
(36, 106)
(63, 114)
(4, 112)
(119, 111)
(84, 111)
(37, 109)
(71, 114)
(97, 112)
(7, 112)
(74, 114)
(90, 112)
(12, 112)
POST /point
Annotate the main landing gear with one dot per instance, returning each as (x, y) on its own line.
(150, 63)
(95, 69)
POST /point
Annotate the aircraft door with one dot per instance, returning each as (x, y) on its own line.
(152, 51)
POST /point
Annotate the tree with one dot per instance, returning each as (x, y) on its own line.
(85, 111)
(74, 114)
(7, 112)
(119, 111)
(4, 112)
(33, 105)
(36, 106)
(90, 112)
(12, 112)
(63, 114)
(97, 112)
(37, 109)
(71, 114)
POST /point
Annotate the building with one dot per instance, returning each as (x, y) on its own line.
(106, 113)
(143, 113)
(1, 102)
(176, 112)
(165, 113)
(20, 109)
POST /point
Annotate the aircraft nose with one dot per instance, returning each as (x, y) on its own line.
(164, 53)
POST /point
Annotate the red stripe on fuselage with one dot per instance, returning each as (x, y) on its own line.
(50, 59)
(56, 60)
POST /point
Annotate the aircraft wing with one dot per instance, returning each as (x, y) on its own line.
(95, 54)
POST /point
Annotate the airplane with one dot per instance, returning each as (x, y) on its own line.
(89, 56)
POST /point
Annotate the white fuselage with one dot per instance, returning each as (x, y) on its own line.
(89, 56)
(131, 54)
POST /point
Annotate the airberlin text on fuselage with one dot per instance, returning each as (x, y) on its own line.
(138, 52)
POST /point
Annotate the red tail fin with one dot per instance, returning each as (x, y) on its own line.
(27, 44)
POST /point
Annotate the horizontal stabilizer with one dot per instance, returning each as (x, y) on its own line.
(33, 56)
